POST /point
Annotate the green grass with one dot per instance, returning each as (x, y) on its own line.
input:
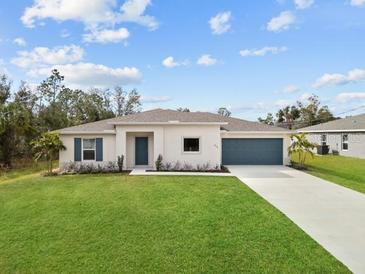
(30, 169)
(345, 171)
(119, 223)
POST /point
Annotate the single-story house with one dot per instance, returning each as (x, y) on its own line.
(196, 138)
(345, 136)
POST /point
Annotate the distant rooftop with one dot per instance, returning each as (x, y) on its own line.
(352, 123)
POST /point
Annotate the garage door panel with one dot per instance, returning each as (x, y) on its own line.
(252, 151)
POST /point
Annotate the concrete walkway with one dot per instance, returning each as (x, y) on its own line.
(332, 215)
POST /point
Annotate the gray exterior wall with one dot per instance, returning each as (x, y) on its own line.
(356, 142)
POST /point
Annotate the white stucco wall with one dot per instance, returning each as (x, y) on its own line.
(356, 143)
(166, 140)
(210, 144)
(284, 136)
(68, 140)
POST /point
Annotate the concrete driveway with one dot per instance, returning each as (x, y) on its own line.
(332, 215)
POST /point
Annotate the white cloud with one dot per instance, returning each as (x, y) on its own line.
(357, 3)
(170, 62)
(290, 89)
(262, 52)
(282, 103)
(92, 14)
(346, 97)
(220, 23)
(206, 60)
(20, 41)
(106, 36)
(330, 80)
(281, 22)
(356, 75)
(43, 56)
(133, 11)
(303, 4)
(305, 96)
(83, 75)
(339, 79)
(155, 99)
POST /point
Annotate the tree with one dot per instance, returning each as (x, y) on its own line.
(26, 97)
(47, 146)
(269, 120)
(5, 86)
(29, 113)
(302, 114)
(302, 147)
(52, 86)
(287, 116)
(133, 103)
(312, 113)
(183, 109)
(224, 112)
(14, 124)
(126, 103)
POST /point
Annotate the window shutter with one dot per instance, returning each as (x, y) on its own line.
(99, 149)
(77, 149)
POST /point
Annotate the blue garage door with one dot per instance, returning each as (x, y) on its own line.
(252, 151)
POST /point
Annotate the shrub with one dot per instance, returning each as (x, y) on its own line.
(120, 163)
(167, 166)
(158, 163)
(187, 166)
(111, 166)
(177, 166)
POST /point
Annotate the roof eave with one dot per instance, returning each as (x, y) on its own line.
(258, 132)
(166, 123)
(73, 132)
(330, 130)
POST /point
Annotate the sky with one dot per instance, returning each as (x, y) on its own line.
(252, 57)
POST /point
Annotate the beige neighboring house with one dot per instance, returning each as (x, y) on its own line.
(195, 138)
(346, 136)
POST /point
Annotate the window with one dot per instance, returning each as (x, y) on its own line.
(324, 140)
(191, 145)
(88, 149)
(345, 141)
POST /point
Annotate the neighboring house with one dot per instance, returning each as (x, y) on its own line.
(347, 135)
(188, 137)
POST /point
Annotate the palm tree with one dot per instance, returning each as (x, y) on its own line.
(47, 146)
(301, 146)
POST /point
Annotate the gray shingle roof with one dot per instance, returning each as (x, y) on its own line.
(352, 123)
(167, 115)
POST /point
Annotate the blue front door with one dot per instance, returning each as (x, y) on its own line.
(141, 151)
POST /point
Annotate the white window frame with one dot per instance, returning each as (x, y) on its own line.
(82, 149)
(324, 140)
(191, 137)
(345, 142)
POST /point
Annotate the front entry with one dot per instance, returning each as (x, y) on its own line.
(141, 151)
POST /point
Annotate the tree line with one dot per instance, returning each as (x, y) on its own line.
(301, 114)
(26, 113)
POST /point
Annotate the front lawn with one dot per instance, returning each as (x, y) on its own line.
(114, 223)
(345, 171)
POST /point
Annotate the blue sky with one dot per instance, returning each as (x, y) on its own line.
(249, 56)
